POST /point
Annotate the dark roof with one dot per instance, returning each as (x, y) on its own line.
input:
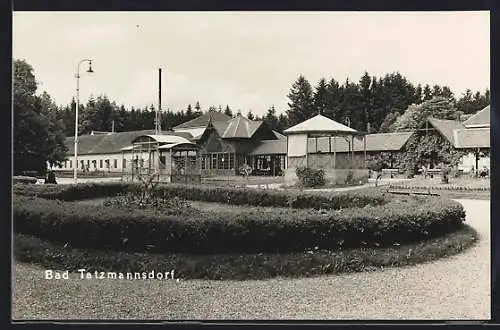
(279, 135)
(270, 147)
(472, 138)
(374, 142)
(203, 120)
(481, 118)
(110, 143)
(241, 127)
(446, 127)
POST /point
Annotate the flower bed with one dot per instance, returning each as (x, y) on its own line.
(332, 223)
(276, 230)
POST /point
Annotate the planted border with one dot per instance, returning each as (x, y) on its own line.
(448, 187)
(241, 267)
(398, 221)
(234, 196)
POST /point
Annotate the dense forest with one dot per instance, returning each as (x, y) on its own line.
(372, 104)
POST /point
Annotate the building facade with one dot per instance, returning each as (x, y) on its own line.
(225, 145)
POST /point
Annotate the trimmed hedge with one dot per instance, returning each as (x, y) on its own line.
(247, 266)
(72, 192)
(20, 179)
(399, 220)
(235, 196)
(447, 187)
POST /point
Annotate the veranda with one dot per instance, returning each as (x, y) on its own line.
(168, 158)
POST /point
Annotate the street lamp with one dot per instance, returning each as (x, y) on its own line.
(77, 76)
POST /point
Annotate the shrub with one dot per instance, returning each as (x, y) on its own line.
(73, 192)
(349, 178)
(250, 230)
(20, 179)
(51, 178)
(309, 177)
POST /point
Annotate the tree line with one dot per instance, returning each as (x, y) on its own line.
(373, 104)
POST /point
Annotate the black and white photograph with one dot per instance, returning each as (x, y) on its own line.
(251, 165)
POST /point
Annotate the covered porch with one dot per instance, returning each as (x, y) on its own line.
(167, 157)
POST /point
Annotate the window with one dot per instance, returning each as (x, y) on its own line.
(100, 163)
(82, 164)
(231, 161)
(220, 161)
(65, 164)
(70, 163)
(94, 162)
(203, 160)
(214, 161)
(115, 161)
(107, 163)
(124, 163)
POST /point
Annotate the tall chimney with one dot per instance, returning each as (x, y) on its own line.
(158, 111)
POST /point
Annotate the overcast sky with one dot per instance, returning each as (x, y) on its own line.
(248, 60)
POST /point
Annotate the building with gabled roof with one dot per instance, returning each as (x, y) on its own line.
(471, 136)
(480, 119)
(227, 145)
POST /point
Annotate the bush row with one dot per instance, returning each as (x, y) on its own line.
(402, 220)
(241, 267)
(447, 187)
(20, 179)
(235, 196)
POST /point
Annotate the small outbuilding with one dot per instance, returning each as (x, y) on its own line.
(171, 158)
(338, 167)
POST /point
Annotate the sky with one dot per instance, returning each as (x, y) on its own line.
(248, 60)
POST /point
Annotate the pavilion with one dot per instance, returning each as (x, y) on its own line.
(171, 158)
(303, 150)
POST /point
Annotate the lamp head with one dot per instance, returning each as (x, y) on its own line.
(90, 67)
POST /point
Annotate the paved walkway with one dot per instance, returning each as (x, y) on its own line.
(450, 288)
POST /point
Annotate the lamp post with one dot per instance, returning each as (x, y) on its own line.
(77, 76)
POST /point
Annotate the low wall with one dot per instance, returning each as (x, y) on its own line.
(332, 176)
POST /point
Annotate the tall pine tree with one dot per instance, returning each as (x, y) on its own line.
(301, 101)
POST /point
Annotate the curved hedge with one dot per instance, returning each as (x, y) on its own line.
(235, 196)
(399, 220)
(243, 266)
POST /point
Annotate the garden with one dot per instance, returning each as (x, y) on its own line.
(220, 233)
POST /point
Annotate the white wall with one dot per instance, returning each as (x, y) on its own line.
(111, 157)
(469, 161)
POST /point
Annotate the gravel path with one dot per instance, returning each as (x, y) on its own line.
(452, 288)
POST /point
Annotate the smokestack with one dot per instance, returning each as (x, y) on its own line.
(158, 111)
